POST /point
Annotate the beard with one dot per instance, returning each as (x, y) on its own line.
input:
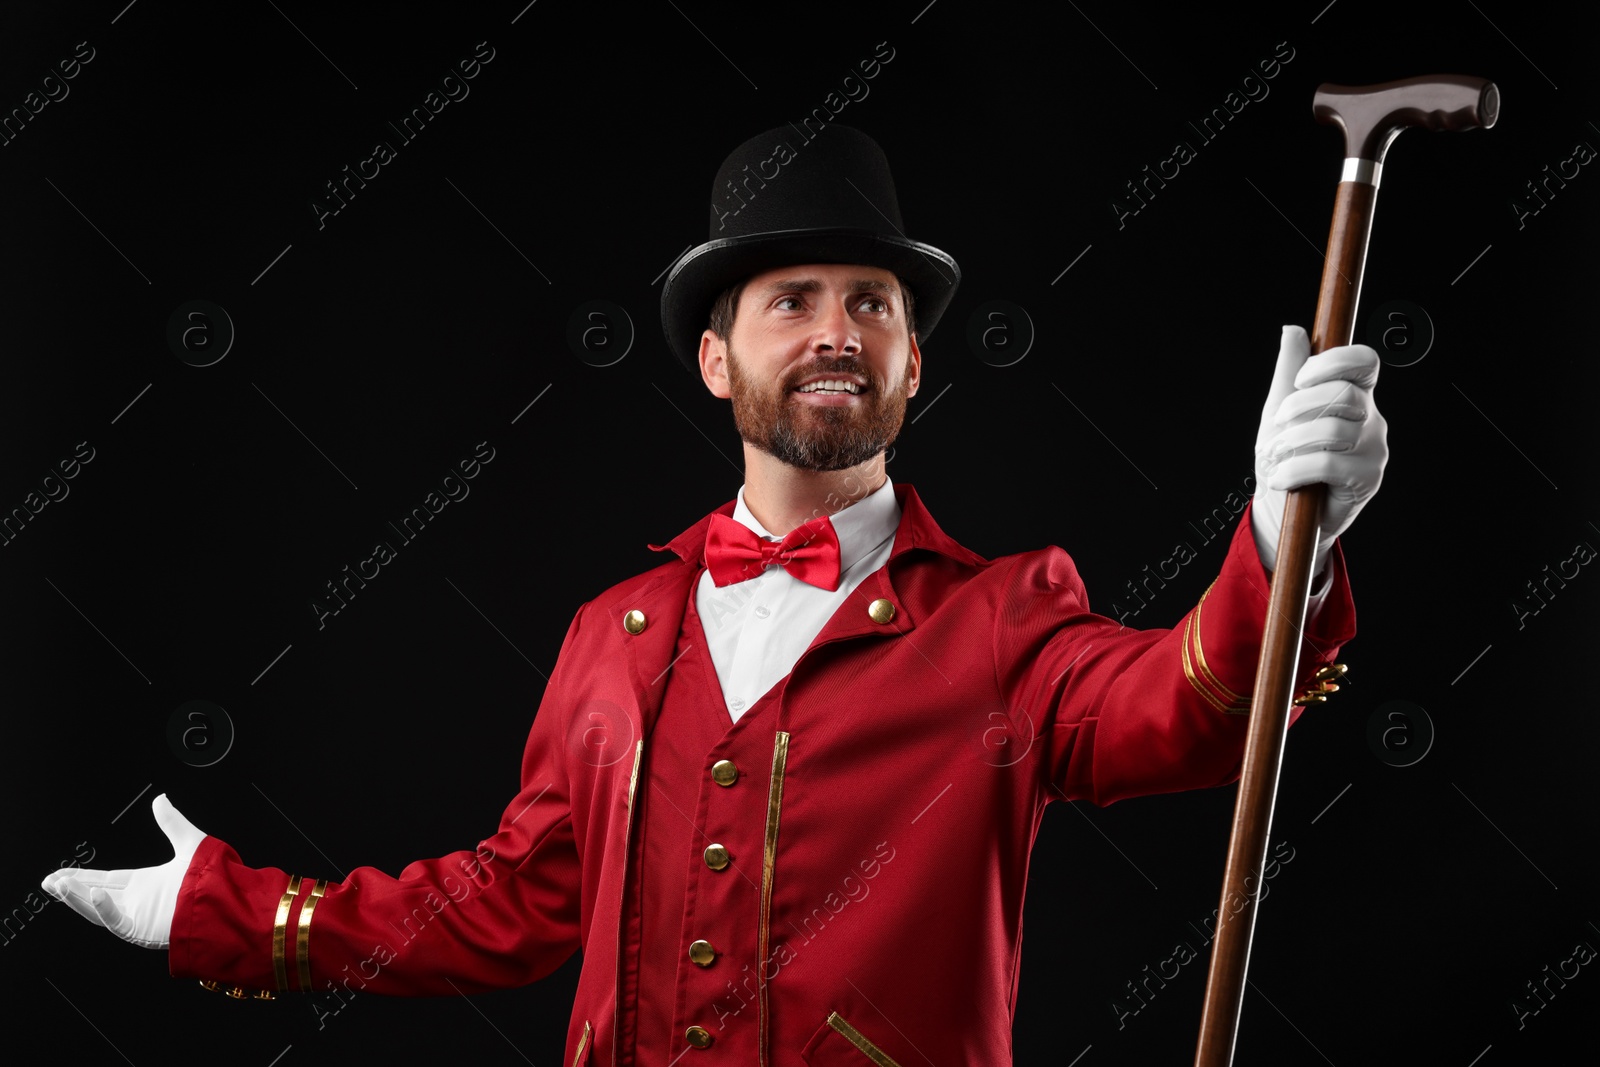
(818, 437)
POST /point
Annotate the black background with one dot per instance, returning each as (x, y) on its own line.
(415, 324)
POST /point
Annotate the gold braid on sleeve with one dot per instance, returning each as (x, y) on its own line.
(280, 926)
(1195, 668)
(303, 933)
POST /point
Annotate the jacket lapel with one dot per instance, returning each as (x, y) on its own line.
(859, 615)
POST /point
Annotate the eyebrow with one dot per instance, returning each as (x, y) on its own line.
(812, 285)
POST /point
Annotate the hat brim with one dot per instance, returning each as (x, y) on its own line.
(700, 276)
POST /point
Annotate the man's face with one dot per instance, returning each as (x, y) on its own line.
(799, 326)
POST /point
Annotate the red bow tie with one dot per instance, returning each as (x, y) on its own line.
(810, 552)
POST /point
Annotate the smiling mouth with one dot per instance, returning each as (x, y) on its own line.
(831, 387)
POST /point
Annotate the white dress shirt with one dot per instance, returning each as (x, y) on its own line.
(758, 628)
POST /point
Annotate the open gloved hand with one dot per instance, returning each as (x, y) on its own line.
(137, 905)
(1319, 424)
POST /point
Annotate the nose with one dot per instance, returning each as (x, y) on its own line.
(836, 331)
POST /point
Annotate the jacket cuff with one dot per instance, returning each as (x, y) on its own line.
(234, 927)
(1222, 645)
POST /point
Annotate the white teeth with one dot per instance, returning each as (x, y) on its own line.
(830, 385)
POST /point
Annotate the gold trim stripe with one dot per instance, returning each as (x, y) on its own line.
(633, 777)
(583, 1043)
(1191, 634)
(280, 926)
(769, 855)
(1194, 680)
(302, 938)
(855, 1037)
(1200, 655)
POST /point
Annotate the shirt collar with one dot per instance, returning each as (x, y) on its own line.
(916, 530)
(861, 527)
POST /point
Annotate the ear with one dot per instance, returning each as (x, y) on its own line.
(913, 368)
(714, 365)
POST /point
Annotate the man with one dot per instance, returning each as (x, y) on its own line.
(782, 789)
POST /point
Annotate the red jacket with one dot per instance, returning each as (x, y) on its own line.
(936, 714)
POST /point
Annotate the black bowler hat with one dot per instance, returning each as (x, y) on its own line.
(783, 199)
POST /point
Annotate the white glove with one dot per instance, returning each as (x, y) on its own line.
(136, 905)
(1319, 424)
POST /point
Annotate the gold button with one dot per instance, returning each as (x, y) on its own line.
(702, 953)
(716, 857)
(881, 611)
(724, 772)
(633, 622)
(698, 1037)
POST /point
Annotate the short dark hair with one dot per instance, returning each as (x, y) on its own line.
(726, 307)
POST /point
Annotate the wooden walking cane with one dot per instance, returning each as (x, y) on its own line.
(1372, 116)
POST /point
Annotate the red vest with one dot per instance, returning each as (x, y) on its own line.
(675, 898)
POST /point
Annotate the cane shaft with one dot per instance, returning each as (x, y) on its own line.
(1341, 272)
(1278, 666)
